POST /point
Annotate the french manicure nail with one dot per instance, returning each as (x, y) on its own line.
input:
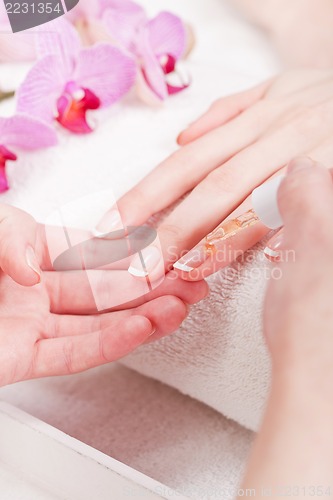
(110, 222)
(145, 262)
(32, 262)
(273, 249)
(191, 260)
(301, 163)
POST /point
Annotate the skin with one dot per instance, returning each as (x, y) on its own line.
(290, 451)
(300, 30)
(45, 328)
(238, 144)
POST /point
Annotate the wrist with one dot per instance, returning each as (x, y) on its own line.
(303, 385)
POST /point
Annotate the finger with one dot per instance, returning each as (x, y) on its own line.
(18, 259)
(67, 355)
(185, 169)
(306, 204)
(173, 285)
(165, 313)
(275, 247)
(92, 291)
(87, 292)
(218, 250)
(62, 248)
(221, 112)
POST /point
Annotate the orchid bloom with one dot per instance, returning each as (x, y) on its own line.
(68, 81)
(24, 132)
(157, 44)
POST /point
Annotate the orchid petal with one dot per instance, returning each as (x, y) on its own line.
(5, 155)
(145, 93)
(123, 19)
(42, 86)
(26, 132)
(4, 186)
(151, 68)
(175, 80)
(72, 113)
(106, 71)
(63, 41)
(167, 35)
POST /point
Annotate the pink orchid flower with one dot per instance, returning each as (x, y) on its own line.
(68, 81)
(24, 132)
(158, 44)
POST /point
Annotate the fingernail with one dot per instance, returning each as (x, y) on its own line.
(32, 262)
(152, 332)
(191, 260)
(145, 262)
(110, 222)
(273, 249)
(301, 163)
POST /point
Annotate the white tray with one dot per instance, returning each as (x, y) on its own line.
(39, 462)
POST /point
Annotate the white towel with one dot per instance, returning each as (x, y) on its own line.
(219, 355)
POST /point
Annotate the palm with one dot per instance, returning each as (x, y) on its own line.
(45, 330)
(24, 312)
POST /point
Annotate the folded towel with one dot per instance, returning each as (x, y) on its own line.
(219, 355)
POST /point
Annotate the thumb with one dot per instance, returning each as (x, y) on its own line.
(306, 203)
(18, 232)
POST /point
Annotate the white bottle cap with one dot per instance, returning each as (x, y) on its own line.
(265, 203)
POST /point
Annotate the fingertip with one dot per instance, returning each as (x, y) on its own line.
(22, 274)
(300, 163)
(182, 138)
(140, 324)
(28, 279)
(178, 308)
(199, 290)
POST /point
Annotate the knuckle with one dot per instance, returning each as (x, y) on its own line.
(223, 179)
(171, 232)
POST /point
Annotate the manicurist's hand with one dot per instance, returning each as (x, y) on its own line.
(49, 322)
(293, 452)
(238, 144)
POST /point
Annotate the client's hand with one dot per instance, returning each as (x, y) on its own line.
(45, 329)
(239, 143)
(294, 448)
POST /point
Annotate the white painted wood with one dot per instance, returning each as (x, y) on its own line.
(38, 461)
